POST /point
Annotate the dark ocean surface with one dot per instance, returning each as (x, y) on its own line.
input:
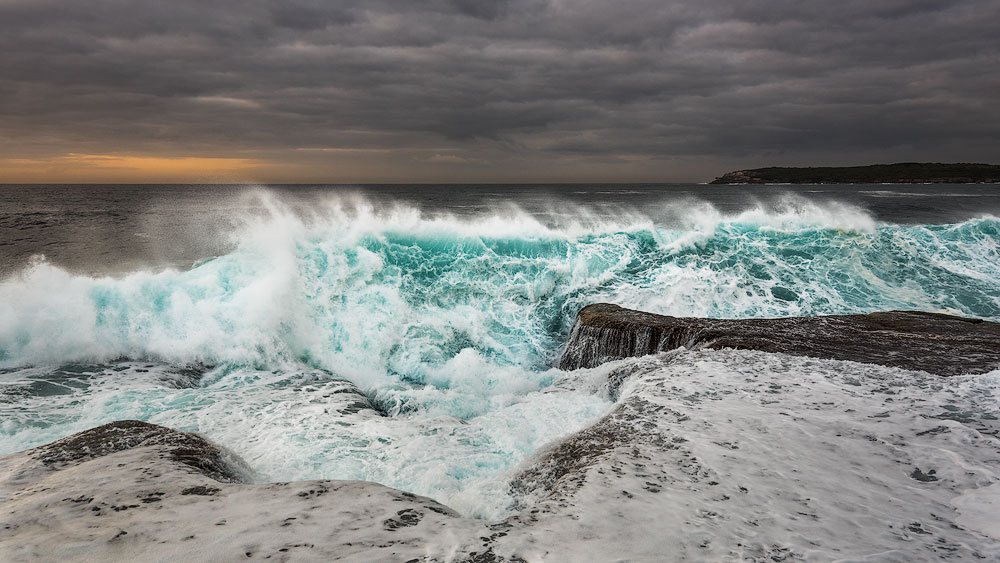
(117, 228)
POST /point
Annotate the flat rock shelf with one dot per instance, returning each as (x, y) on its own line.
(932, 342)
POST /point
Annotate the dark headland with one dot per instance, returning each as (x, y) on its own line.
(901, 173)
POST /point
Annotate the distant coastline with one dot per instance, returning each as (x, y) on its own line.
(901, 173)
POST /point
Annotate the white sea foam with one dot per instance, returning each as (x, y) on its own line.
(451, 321)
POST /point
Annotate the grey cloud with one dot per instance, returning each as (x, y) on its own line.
(556, 81)
(308, 14)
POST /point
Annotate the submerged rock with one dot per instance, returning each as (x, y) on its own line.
(932, 342)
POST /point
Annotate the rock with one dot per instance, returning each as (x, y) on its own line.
(340, 395)
(744, 455)
(561, 466)
(932, 342)
(137, 491)
(185, 448)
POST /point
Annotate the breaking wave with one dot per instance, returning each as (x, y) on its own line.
(394, 294)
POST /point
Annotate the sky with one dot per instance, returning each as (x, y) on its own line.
(312, 91)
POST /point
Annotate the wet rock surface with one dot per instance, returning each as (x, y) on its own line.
(185, 448)
(741, 455)
(932, 342)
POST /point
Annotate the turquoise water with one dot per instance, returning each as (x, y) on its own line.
(452, 323)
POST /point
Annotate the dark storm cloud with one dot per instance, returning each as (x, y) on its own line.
(473, 83)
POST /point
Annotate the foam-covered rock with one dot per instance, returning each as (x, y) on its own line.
(132, 490)
(741, 455)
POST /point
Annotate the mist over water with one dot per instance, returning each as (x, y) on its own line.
(449, 320)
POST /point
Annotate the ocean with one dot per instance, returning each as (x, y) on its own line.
(240, 311)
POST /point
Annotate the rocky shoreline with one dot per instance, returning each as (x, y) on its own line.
(678, 469)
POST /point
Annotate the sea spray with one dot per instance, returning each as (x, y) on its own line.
(387, 290)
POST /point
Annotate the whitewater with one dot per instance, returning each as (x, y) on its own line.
(451, 325)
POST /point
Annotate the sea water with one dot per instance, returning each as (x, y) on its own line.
(241, 315)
